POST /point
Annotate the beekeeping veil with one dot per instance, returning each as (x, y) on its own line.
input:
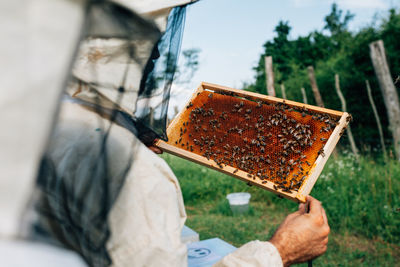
(115, 57)
(127, 63)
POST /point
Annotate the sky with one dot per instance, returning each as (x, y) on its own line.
(231, 33)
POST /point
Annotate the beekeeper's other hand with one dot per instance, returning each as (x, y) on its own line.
(302, 236)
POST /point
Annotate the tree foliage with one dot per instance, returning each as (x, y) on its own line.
(334, 49)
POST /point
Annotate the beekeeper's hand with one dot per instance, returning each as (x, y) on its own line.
(154, 148)
(302, 236)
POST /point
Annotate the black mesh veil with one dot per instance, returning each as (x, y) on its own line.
(156, 82)
(122, 72)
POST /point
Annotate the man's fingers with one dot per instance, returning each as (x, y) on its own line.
(302, 208)
(324, 216)
(314, 205)
(155, 149)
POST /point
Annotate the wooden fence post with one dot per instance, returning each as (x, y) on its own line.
(269, 71)
(303, 92)
(283, 91)
(390, 96)
(378, 121)
(344, 109)
(314, 86)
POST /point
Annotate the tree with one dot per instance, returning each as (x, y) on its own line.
(281, 50)
(334, 22)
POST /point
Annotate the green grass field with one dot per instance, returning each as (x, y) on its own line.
(361, 200)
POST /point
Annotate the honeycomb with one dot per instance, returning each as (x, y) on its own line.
(271, 141)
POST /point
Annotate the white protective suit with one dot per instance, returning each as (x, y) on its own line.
(148, 215)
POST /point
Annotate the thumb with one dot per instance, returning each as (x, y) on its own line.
(302, 208)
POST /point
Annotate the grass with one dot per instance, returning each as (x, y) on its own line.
(361, 201)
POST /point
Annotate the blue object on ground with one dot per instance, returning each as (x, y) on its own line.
(207, 252)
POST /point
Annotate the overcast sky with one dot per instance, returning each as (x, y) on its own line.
(230, 33)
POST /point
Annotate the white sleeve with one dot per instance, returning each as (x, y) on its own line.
(253, 254)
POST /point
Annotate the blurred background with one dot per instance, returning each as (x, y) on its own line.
(345, 51)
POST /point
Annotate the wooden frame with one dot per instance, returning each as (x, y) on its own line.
(316, 169)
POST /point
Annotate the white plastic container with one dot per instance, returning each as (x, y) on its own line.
(239, 202)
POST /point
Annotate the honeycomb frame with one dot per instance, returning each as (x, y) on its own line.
(175, 132)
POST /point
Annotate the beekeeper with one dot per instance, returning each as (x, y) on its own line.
(78, 186)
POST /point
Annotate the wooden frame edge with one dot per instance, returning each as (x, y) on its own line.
(321, 160)
(216, 87)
